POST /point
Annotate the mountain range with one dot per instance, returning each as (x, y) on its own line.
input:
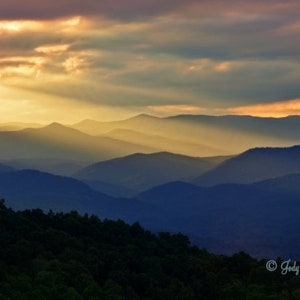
(162, 143)
(27, 189)
(56, 141)
(228, 218)
(170, 174)
(14, 126)
(190, 135)
(211, 135)
(142, 171)
(57, 166)
(253, 165)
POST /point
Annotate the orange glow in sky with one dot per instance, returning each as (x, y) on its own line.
(277, 109)
(111, 59)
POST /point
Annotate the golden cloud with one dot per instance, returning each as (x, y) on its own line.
(276, 109)
(174, 109)
(52, 49)
(16, 26)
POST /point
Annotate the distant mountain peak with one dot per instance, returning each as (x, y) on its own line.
(271, 149)
(54, 125)
(143, 116)
(97, 122)
(53, 128)
(161, 154)
(254, 165)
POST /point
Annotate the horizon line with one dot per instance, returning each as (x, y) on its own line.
(14, 122)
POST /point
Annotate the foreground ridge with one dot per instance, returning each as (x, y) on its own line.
(69, 256)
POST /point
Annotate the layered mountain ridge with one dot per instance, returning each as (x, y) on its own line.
(248, 200)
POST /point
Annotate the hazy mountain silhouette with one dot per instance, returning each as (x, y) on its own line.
(151, 125)
(46, 191)
(64, 167)
(28, 189)
(110, 189)
(5, 168)
(254, 165)
(224, 218)
(248, 202)
(163, 143)
(177, 197)
(223, 135)
(96, 127)
(278, 127)
(285, 184)
(232, 217)
(141, 171)
(58, 141)
(13, 126)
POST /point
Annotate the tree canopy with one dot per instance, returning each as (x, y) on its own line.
(69, 256)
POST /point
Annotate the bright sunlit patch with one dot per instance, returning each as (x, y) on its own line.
(73, 25)
(209, 65)
(74, 21)
(277, 109)
(200, 64)
(37, 60)
(73, 64)
(21, 70)
(16, 26)
(52, 49)
(17, 105)
(19, 66)
(180, 108)
(223, 66)
(23, 105)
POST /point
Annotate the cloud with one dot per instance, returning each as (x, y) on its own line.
(52, 49)
(180, 56)
(135, 9)
(176, 109)
(276, 109)
(117, 9)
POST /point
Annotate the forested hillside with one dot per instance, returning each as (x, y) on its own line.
(68, 256)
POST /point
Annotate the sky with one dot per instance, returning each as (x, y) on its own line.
(65, 61)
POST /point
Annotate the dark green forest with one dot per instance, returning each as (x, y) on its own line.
(69, 256)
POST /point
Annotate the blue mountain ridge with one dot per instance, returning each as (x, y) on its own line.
(141, 171)
(253, 165)
(27, 189)
(261, 218)
(252, 217)
(5, 168)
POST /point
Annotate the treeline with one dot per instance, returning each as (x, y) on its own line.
(68, 256)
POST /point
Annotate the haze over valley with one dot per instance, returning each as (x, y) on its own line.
(196, 176)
